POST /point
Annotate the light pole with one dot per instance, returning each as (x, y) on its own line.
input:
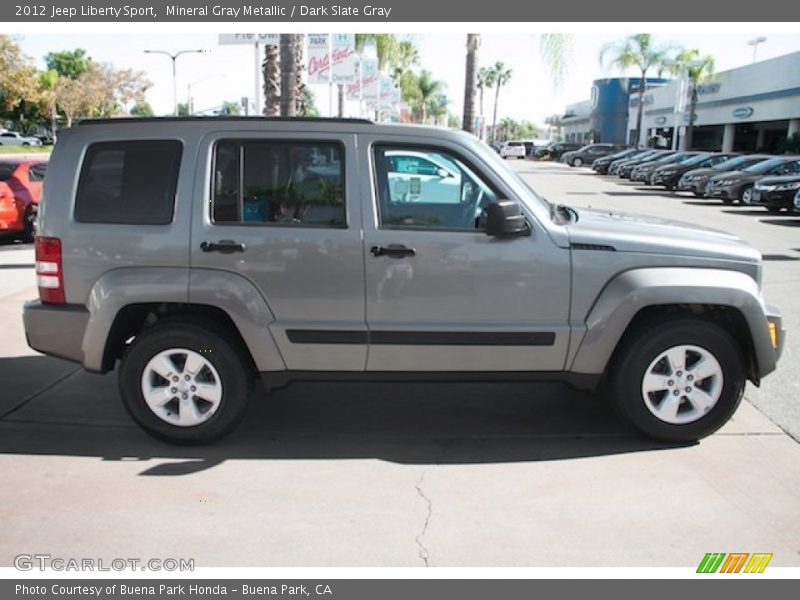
(190, 99)
(174, 57)
(754, 43)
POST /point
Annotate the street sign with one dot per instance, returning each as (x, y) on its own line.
(268, 39)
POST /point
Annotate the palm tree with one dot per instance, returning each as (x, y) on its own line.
(299, 67)
(470, 84)
(437, 107)
(687, 60)
(272, 80)
(484, 80)
(640, 51)
(501, 75)
(288, 101)
(405, 55)
(428, 88)
(509, 128)
(556, 49)
(386, 45)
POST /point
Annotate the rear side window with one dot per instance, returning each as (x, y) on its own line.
(275, 182)
(130, 183)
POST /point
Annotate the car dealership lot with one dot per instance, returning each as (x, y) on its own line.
(406, 475)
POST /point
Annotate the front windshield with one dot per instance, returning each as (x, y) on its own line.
(765, 166)
(669, 158)
(527, 194)
(693, 160)
(738, 162)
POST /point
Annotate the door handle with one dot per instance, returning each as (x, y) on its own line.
(393, 251)
(223, 246)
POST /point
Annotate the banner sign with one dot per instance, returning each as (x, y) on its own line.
(344, 58)
(267, 39)
(319, 58)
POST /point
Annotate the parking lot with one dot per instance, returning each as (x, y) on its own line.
(412, 474)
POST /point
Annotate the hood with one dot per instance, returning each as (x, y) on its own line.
(652, 235)
(735, 175)
(778, 179)
(707, 171)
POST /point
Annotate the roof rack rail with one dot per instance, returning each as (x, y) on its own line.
(222, 118)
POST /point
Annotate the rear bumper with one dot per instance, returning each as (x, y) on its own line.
(56, 329)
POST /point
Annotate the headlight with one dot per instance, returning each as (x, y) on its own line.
(794, 185)
(726, 181)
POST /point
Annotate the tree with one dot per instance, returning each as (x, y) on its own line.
(272, 80)
(484, 80)
(640, 51)
(428, 89)
(142, 109)
(18, 79)
(69, 63)
(470, 82)
(696, 74)
(299, 67)
(183, 109)
(288, 100)
(404, 56)
(500, 76)
(437, 108)
(555, 49)
(230, 108)
(386, 45)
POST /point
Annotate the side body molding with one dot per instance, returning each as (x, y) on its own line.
(629, 292)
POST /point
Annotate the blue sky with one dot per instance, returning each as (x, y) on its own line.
(227, 72)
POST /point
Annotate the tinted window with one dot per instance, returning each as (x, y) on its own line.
(453, 197)
(129, 182)
(275, 182)
(7, 170)
(36, 172)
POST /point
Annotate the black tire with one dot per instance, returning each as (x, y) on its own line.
(29, 232)
(773, 210)
(727, 201)
(643, 345)
(577, 162)
(746, 190)
(218, 347)
(699, 194)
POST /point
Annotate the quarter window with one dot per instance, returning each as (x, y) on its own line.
(424, 188)
(278, 183)
(131, 182)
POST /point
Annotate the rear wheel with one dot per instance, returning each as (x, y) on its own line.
(185, 381)
(678, 379)
(699, 194)
(773, 209)
(577, 162)
(29, 220)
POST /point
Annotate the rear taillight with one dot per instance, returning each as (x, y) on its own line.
(49, 274)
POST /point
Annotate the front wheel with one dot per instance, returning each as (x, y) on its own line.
(679, 379)
(577, 162)
(185, 381)
(746, 194)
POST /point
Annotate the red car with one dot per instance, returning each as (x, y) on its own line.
(20, 189)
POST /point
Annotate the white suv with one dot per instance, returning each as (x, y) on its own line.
(514, 149)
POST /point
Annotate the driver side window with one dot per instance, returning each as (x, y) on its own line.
(427, 188)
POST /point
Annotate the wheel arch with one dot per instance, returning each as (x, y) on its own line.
(634, 298)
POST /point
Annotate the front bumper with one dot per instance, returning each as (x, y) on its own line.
(773, 198)
(724, 192)
(697, 186)
(56, 329)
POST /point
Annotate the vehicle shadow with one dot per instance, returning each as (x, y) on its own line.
(409, 423)
(785, 222)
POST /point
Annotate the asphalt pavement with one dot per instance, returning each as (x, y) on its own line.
(404, 475)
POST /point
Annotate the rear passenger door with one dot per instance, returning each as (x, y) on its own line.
(281, 211)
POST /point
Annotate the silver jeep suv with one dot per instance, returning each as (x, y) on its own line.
(200, 253)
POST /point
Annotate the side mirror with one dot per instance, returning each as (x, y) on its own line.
(505, 218)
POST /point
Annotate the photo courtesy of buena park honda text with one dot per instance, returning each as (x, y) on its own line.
(399, 300)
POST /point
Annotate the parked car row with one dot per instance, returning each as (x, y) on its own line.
(755, 179)
(20, 190)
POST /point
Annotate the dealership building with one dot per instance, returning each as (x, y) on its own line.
(751, 108)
